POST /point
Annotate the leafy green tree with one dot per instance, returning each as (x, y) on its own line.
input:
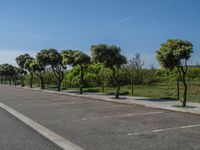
(19, 73)
(39, 70)
(77, 58)
(27, 66)
(1, 73)
(105, 78)
(21, 60)
(175, 54)
(51, 57)
(110, 57)
(8, 71)
(91, 76)
(82, 60)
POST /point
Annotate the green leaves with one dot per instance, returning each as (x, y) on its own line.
(49, 57)
(110, 56)
(174, 53)
(36, 67)
(75, 57)
(10, 70)
(21, 60)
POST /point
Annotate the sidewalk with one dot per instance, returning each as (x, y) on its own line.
(165, 104)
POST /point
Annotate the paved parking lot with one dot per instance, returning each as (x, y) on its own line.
(99, 125)
(14, 135)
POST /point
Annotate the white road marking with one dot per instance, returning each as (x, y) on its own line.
(73, 103)
(165, 129)
(115, 106)
(121, 116)
(69, 103)
(53, 137)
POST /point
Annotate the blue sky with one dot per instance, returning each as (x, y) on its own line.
(134, 25)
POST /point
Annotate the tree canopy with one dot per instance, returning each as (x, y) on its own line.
(174, 53)
(109, 56)
(22, 59)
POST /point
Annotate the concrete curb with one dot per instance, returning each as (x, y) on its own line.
(48, 134)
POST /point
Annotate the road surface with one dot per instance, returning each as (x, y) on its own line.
(99, 125)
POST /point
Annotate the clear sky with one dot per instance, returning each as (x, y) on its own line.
(134, 25)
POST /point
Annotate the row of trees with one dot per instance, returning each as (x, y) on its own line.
(109, 56)
(172, 55)
(12, 74)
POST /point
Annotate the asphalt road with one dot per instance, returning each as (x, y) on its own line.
(14, 135)
(99, 125)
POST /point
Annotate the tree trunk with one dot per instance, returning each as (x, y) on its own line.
(5, 81)
(185, 93)
(1, 80)
(42, 83)
(178, 89)
(9, 81)
(42, 86)
(22, 82)
(182, 75)
(103, 87)
(116, 82)
(59, 84)
(31, 80)
(132, 85)
(81, 80)
(15, 82)
(117, 92)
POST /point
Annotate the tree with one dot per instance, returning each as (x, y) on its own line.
(135, 65)
(175, 54)
(20, 74)
(91, 76)
(27, 66)
(82, 60)
(110, 57)
(77, 58)
(8, 71)
(21, 60)
(1, 73)
(51, 57)
(38, 69)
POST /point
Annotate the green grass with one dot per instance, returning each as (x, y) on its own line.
(157, 90)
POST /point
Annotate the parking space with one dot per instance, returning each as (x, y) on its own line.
(14, 135)
(95, 124)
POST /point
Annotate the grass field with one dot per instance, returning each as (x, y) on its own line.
(156, 90)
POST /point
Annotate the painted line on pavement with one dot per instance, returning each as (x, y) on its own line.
(165, 129)
(124, 115)
(53, 137)
(73, 103)
(69, 103)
